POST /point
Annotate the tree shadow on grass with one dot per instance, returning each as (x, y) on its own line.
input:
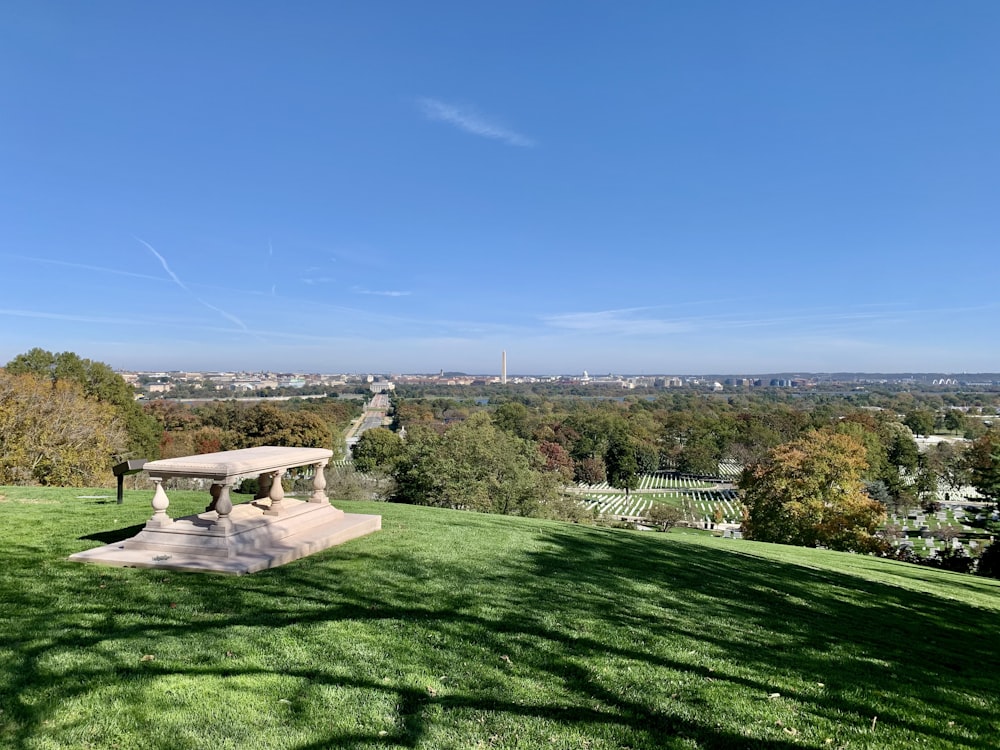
(573, 613)
(114, 535)
(878, 649)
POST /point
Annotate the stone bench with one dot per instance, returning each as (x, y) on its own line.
(224, 469)
(268, 531)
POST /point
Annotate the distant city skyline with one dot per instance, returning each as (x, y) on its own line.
(659, 188)
(677, 378)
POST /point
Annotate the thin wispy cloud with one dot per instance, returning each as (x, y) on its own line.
(617, 322)
(86, 267)
(642, 321)
(386, 293)
(71, 318)
(166, 267)
(472, 122)
(116, 321)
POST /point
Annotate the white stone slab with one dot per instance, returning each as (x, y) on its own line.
(229, 464)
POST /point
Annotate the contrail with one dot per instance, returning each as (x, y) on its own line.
(228, 316)
(470, 122)
(165, 266)
(84, 266)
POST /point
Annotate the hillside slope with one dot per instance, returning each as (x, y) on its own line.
(455, 630)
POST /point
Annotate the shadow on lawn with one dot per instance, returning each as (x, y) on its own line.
(553, 612)
(894, 648)
(115, 535)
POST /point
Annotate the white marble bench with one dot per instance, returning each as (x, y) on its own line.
(268, 463)
(252, 536)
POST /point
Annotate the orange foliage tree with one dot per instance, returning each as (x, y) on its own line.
(810, 492)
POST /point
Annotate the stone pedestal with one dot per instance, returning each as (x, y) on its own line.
(251, 541)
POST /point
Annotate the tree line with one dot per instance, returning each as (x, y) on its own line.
(66, 420)
(821, 469)
(822, 472)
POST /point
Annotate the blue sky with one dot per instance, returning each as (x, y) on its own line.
(634, 187)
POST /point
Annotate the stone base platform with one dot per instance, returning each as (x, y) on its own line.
(249, 541)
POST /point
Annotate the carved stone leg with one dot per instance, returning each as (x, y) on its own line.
(319, 484)
(214, 492)
(263, 486)
(223, 506)
(160, 504)
(277, 495)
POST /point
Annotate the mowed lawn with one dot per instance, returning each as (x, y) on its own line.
(458, 630)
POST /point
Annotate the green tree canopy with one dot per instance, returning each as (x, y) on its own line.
(921, 421)
(377, 449)
(474, 465)
(621, 463)
(983, 461)
(514, 418)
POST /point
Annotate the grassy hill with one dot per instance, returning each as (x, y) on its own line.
(458, 630)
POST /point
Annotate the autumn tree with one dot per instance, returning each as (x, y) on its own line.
(810, 492)
(409, 413)
(171, 415)
(99, 382)
(557, 461)
(243, 426)
(52, 433)
(591, 470)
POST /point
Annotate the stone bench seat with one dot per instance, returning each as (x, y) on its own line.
(225, 468)
(231, 465)
(263, 533)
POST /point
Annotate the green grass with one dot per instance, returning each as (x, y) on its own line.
(459, 630)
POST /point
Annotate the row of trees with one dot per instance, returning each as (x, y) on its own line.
(233, 424)
(65, 420)
(820, 473)
(615, 441)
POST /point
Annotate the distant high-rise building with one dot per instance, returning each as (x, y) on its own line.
(503, 367)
